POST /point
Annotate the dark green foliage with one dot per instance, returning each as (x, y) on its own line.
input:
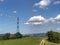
(6, 36)
(1, 37)
(53, 36)
(18, 35)
(13, 37)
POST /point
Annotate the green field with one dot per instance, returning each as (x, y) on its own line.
(26, 41)
(50, 43)
(23, 41)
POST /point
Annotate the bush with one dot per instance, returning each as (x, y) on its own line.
(12, 37)
(6, 36)
(53, 36)
(1, 37)
(17, 35)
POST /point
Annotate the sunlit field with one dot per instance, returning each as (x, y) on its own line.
(23, 41)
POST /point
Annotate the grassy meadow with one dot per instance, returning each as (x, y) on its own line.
(23, 41)
(26, 41)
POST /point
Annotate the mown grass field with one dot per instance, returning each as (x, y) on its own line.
(23, 41)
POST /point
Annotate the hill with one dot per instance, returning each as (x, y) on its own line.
(36, 35)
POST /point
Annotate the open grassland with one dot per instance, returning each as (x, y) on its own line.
(23, 41)
(26, 41)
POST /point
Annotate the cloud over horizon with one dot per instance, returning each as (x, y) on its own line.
(38, 20)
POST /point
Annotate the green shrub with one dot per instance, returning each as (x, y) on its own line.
(53, 36)
(6, 36)
(18, 35)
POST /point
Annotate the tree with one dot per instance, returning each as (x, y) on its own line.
(53, 36)
(6, 36)
(18, 35)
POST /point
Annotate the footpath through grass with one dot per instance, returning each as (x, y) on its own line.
(23, 41)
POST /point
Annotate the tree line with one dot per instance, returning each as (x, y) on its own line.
(8, 36)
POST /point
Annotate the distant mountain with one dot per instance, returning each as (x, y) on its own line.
(37, 34)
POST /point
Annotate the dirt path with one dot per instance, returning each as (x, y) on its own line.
(42, 42)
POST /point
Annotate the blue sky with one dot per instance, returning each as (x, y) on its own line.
(36, 16)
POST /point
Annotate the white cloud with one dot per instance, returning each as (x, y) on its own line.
(43, 3)
(1, 0)
(34, 10)
(57, 17)
(36, 20)
(51, 20)
(58, 28)
(14, 11)
(26, 23)
(56, 2)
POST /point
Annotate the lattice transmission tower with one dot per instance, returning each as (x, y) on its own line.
(17, 24)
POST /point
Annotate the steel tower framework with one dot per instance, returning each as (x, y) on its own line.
(17, 24)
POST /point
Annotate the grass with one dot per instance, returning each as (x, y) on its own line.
(23, 41)
(50, 43)
(26, 41)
